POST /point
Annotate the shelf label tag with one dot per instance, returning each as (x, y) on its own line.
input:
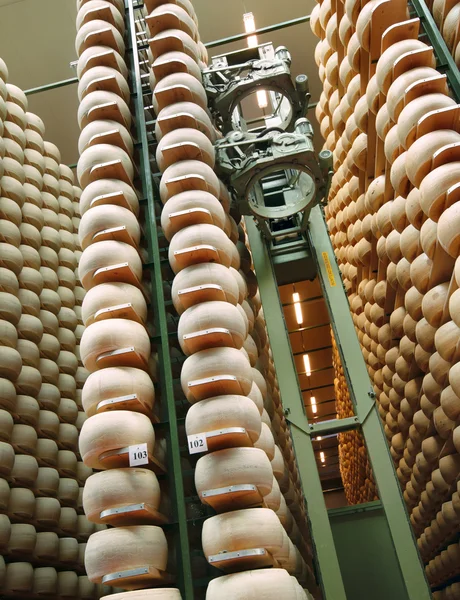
(138, 455)
(197, 443)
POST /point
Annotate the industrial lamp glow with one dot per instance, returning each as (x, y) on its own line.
(297, 308)
(306, 362)
(249, 27)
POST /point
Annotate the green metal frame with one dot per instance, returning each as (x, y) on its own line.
(185, 581)
(329, 569)
(362, 397)
(446, 62)
(367, 417)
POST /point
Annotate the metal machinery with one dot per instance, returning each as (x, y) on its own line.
(279, 184)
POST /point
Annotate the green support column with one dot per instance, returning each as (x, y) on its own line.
(180, 528)
(330, 575)
(366, 409)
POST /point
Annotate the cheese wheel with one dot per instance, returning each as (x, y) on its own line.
(106, 254)
(112, 431)
(200, 243)
(118, 488)
(173, 40)
(103, 337)
(227, 369)
(200, 320)
(173, 62)
(104, 191)
(269, 584)
(126, 548)
(98, 154)
(111, 295)
(190, 208)
(166, 15)
(184, 144)
(223, 412)
(157, 594)
(234, 466)
(186, 175)
(243, 530)
(99, 132)
(176, 115)
(100, 218)
(205, 281)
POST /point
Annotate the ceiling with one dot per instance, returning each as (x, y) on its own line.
(37, 43)
(310, 335)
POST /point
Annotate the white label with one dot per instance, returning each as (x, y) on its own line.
(138, 455)
(197, 443)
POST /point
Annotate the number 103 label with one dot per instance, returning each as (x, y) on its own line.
(197, 443)
(138, 455)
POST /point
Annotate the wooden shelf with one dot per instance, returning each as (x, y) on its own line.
(204, 253)
(133, 514)
(232, 498)
(106, 84)
(122, 357)
(112, 137)
(231, 562)
(215, 337)
(101, 37)
(118, 311)
(201, 293)
(113, 169)
(220, 385)
(102, 59)
(127, 402)
(137, 578)
(118, 234)
(115, 198)
(107, 111)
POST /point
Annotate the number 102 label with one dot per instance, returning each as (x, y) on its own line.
(197, 443)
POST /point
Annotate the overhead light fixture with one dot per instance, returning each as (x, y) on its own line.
(262, 99)
(306, 362)
(322, 457)
(297, 306)
(249, 27)
(314, 407)
(253, 42)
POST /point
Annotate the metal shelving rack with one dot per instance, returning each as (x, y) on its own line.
(187, 518)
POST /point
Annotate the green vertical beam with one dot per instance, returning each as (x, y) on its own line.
(330, 575)
(177, 489)
(366, 409)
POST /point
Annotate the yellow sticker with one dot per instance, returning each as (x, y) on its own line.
(330, 274)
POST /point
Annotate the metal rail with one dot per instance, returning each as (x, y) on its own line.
(242, 36)
(446, 62)
(214, 44)
(183, 565)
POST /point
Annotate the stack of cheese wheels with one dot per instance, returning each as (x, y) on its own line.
(355, 468)
(115, 372)
(42, 521)
(446, 15)
(228, 374)
(393, 220)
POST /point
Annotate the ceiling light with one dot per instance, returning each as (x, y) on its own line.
(262, 98)
(319, 438)
(314, 408)
(306, 362)
(297, 305)
(249, 27)
(322, 457)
